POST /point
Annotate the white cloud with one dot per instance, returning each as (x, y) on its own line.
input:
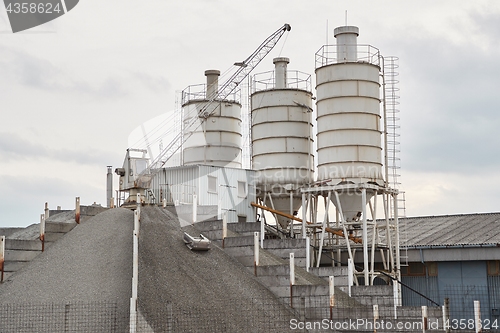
(71, 97)
(440, 193)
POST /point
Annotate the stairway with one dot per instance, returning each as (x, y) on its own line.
(24, 245)
(309, 295)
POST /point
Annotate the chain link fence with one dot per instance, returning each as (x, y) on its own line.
(61, 317)
(301, 314)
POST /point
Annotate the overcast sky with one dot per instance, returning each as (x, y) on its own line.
(73, 90)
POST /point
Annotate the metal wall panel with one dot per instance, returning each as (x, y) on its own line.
(179, 184)
(494, 295)
(227, 197)
(426, 285)
(463, 282)
(176, 184)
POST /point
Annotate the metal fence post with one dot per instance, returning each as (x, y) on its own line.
(425, 319)
(331, 283)
(395, 292)
(224, 228)
(350, 273)
(292, 276)
(42, 230)
(308, 253)
(304, 215)
(477, 317)
(135, 272)
(255, 252)
(77, 210)
(375, 317)
(136, 223)
(2, 256)
(195, 208)
(262, 230)
(138, 209)
(446, 315)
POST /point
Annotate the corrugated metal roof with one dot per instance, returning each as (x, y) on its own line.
(468, 230)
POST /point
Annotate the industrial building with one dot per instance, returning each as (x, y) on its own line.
(314, 230)
(454, 254)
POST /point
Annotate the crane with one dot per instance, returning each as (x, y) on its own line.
(140, 180)
(243, 70)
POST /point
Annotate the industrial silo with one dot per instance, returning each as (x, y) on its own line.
(349, 140)
(215, 137)
(281, 131)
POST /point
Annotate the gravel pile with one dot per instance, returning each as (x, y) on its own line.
(32, 231)
(64, 216)
(208, 291)
(29, 233)
(91, 263)
(9, 231)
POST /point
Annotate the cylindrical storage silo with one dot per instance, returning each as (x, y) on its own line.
(214, 138)
(348, 119)
(281, 141)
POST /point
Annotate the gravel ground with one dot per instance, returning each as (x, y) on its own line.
(209, 291)
(91, 263)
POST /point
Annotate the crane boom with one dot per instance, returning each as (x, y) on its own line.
(243, 70)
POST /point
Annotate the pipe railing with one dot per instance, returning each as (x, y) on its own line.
(198, 92)
(294, 80)
(328, 55)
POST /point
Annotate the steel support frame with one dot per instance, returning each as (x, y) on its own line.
(376, 237)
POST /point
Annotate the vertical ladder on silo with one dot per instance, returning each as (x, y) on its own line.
(179, 122)
(246, 151)
(391, 64)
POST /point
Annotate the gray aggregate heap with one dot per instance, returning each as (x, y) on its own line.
(29, 233)
(9, 231)
(91, 263)
(208, 291)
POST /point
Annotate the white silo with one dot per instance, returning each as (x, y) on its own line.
(349, 138)
(215, 139)
(349, 77)
(281, 137)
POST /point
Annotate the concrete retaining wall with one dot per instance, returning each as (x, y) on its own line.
(19, 252)
(370, 295)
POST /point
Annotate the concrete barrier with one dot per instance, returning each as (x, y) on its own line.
(370, 295)
(239, 241)
(24, 245)
(244, 228)
(19, 252)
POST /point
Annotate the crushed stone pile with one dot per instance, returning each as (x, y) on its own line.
(92, 263)
(199, 291)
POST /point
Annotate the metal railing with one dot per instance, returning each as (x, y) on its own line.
(328, 55)
(198, 92)
(461, 312)
(294, 80)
